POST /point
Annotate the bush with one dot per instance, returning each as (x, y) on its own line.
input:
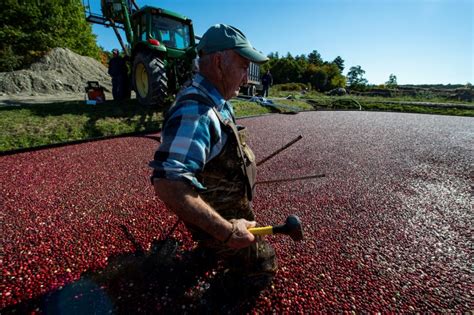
(291, 87)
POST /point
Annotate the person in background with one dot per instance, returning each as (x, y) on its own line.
(204, 170)
(267, 81)
(119, 73)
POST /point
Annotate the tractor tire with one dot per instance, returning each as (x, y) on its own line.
(149, 80)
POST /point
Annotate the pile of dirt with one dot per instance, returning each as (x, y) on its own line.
(61, 71)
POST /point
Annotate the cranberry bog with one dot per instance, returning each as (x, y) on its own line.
(388, 229)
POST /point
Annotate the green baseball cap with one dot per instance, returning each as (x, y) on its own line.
(221, 37)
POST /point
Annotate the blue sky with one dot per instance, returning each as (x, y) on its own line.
(420, 41)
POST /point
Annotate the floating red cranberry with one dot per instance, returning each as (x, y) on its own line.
(388, 228)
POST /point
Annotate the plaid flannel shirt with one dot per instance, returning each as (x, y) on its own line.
(192, 135)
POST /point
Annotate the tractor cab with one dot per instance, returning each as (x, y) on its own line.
(172, 33)
(162, 30)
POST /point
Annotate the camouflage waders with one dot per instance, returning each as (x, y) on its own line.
(230, 181)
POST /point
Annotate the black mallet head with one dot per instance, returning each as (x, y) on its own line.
(292, 227)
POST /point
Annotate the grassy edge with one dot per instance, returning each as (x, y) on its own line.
(370, 105)
(30, 126)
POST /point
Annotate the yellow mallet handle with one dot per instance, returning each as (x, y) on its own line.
(264, 230)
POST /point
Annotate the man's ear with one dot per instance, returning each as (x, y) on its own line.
(218, 63)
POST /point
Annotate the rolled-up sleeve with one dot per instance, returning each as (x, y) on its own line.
(185, 145)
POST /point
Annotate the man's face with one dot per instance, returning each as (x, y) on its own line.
(234, 73)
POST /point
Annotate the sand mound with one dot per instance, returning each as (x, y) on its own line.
(61, 71)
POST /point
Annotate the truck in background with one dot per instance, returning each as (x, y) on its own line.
(254, 85)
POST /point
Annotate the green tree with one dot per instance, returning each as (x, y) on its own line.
(315, 58)
(273, 55)
(286, 70)
(355, 78)
(311, 69)
(319, 80)
(302, 64)
(334, 77)
(289, 56)
(31, 28)
(301, 58)
(308, 73)
(338, 81)
(392, 81)
(272, 59)
(324, 78)
(339, 62)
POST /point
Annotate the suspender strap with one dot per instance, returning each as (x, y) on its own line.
(201, 99)
(249, 177)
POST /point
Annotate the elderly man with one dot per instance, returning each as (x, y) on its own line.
(204, 170)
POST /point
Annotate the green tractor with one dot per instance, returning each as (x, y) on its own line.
(160, 48)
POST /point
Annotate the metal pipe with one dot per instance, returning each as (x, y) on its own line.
(281, 149)
(135, 5)
(126, 22)
(289, 179)
(122, 44)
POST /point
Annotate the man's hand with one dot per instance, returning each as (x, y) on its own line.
(241, 237)
(180, 198)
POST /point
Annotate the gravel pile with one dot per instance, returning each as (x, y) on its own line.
(61, 71)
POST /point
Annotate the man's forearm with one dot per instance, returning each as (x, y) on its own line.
(180, 198)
